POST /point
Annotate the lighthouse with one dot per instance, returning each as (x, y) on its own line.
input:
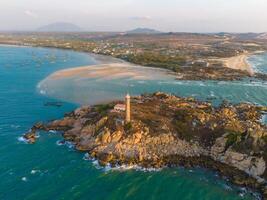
(128, 108)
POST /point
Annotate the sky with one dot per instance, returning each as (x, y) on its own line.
(121, 15)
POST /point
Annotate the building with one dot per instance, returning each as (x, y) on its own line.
(124, 108)
(128, 108)
(119, 108)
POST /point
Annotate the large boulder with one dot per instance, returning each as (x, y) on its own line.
(252, 165)
(30, 137)
(104, 137)
(116, 136)
(82, 111)
(65, 123)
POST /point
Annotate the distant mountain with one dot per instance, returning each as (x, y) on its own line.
(60, 27)
(143, 31)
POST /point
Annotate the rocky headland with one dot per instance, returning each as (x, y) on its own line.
(167, 131)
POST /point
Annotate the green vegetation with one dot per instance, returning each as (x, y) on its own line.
(232, 138)
(265, 138)
(103, 108)
(128, 126)
(157, 60)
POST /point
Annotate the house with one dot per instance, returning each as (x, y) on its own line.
(119, 108)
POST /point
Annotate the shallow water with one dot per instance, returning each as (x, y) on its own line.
(106, 87)
(259, 62)
(46, 170)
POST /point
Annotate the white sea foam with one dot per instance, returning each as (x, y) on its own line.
(202, 84)
(22, 139)
(264, 118)
(96, 164)
(212, 94)
(35, 171)
(123, 167)
(241, 194)
(42, 92)
(227, 187)
(68, 144)
(37, 134)
(24, 179)
(87, 156)
(132, 167)
(60, 142)
(52, 131)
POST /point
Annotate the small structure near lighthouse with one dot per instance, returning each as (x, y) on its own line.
(119, 108)
(128, 108)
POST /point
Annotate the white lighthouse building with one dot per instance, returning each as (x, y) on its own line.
(128, 108)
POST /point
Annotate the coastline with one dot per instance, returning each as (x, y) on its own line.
(41, 143)
(99, 58)
(239, 62)
(143, 144)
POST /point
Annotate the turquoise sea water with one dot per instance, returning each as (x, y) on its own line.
(46, 170)
(259, 61)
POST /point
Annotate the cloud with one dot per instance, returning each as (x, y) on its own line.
(30, 14)
(141, 18)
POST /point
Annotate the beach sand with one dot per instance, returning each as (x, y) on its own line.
(239, 62)
(110, 71)
(117, 70)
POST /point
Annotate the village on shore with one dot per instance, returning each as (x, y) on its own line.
(192, 56)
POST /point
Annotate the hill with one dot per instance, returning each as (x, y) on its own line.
(143, 31)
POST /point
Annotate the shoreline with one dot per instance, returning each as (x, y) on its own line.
(155, 146)
(239, 62)
(99, 58)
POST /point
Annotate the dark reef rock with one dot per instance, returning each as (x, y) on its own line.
(30, 136)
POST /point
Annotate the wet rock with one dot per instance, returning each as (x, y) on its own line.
(30, 136)
(82, 111)
(105, 158)
(63, 124)
(39, 126)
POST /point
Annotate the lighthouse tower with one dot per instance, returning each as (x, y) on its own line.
(128, 108)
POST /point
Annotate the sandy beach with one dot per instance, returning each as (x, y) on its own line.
(110, 71)
(239, 62)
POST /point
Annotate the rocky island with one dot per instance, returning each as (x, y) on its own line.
(166, 131)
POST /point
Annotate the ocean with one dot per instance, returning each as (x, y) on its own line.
(48, 170)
